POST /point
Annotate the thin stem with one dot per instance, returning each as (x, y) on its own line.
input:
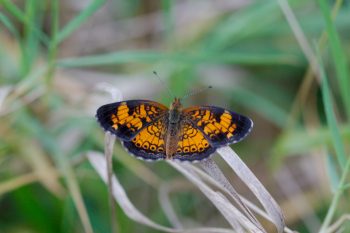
(304, 89)
(53, 43)
(109, 145)
(335, 199)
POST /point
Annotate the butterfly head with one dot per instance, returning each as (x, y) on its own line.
(176, 104)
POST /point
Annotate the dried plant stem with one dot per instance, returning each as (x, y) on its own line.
(235, 217)
(245, 174)
(338, 223)
(214, 171)
(99, 163)
(109, 144)
(17, 182)
(287, 230)
(299, 34)
(164, 200)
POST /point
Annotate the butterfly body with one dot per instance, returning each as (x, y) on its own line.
(151, 131)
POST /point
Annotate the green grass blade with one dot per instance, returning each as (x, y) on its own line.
(19, 15)
(167, 6)
(35, 129)
(332, 172)
(185, 58)
(302, 141)
(330, 117)
(337, 143)
(13, 9)
(261, 105)
(79, 19)
(53, 43)
(338, 54)
(7, 23)
(31, 41)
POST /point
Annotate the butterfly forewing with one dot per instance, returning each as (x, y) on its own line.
(127, 118)
(219, 126)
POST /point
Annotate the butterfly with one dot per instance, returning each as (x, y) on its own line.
(151, 131)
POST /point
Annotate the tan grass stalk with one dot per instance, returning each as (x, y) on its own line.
(98, 162)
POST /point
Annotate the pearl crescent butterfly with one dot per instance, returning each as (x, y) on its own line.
(151, 131)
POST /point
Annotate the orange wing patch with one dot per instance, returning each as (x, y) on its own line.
(214, 126)
(191, 141)
(134, 119)
(219, 126)
(127, 118)
(151, 138)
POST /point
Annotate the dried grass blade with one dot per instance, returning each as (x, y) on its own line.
(17, 182)
(4, 91)
(164, 200)
(206, 177)
(236, 219)
(214, 171)
(41, 165)
(98, 161)
(254, 185)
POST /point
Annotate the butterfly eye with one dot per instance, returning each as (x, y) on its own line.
(193, 149)
(138, 144)
(160, 149)
(179, 150)
(186, 149)
(200, 149)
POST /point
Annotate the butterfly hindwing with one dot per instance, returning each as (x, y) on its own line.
(219, 126)
(125, 119)
(149, 143)
(192, 144)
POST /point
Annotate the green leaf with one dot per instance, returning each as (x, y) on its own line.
(79, 19)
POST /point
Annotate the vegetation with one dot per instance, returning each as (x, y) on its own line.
(283, 63)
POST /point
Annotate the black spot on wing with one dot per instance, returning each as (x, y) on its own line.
(142, 154)
(243, 124)
(191, 157)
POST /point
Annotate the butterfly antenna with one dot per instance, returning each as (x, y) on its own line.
(195, 92)
(164, 84)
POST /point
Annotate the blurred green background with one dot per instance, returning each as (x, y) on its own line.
(57, 57)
